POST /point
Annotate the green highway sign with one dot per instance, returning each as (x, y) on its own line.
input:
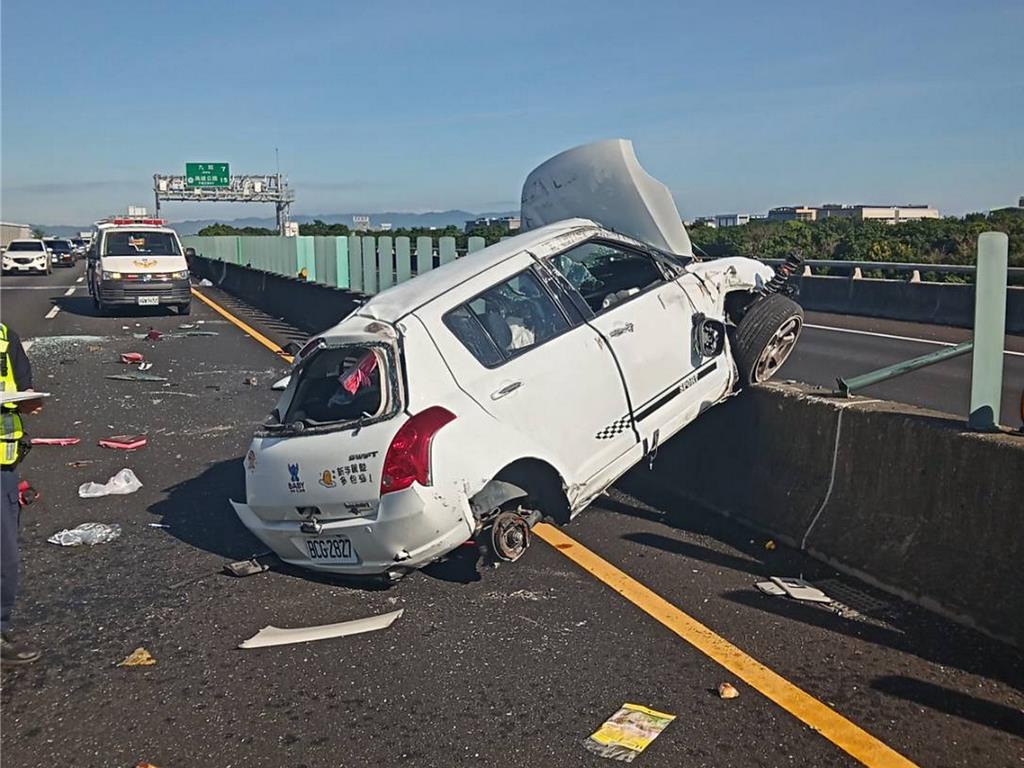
(207, 175)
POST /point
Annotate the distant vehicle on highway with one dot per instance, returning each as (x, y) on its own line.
(62, 253)
(27, 255)
(79, 246)
(137, 261)
(515, 383)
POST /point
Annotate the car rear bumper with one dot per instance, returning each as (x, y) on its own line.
(408, 531)
(125, 292)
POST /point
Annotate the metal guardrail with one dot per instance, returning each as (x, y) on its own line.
(895, 266)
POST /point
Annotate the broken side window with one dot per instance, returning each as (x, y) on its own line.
(606, 275)
(515, 316)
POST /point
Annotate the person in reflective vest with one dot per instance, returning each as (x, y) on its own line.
(16, 375)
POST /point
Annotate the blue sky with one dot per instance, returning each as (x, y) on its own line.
(427, 106)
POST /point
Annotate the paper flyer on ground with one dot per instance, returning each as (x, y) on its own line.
(17, 397)
(628, 732)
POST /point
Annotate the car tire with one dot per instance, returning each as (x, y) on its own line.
(185, 309)
(765, 337)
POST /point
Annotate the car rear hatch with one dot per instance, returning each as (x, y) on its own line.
(322, 451)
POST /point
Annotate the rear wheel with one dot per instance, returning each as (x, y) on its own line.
(765, 337)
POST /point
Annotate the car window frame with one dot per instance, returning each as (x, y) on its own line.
(533, 269)
(579, 298)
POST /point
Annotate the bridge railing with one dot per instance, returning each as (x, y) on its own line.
(364, 263)
(913, 269)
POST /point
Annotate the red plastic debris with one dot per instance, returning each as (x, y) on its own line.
(154, 335)
(124, 442)
(26, 493)
(360, 377)
(131, 357)
(55, 441)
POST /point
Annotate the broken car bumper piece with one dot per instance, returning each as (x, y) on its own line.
(276, 636)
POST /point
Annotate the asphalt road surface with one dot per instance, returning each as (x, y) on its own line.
(508, 666)
(834, 346)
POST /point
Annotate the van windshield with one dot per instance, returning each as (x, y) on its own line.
(140, 243)
(342, 384)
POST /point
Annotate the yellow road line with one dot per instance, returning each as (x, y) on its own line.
(850, 738)
(245, 327)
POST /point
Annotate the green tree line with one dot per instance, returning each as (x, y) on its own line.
(934, 241)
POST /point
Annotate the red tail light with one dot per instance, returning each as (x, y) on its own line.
(408, 457)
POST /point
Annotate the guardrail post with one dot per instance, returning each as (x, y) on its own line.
(989, 331)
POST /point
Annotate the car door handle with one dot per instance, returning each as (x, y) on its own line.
(621, 329)
(506, 390)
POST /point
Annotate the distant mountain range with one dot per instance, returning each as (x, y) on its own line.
(397, 219)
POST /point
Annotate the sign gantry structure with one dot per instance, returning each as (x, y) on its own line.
(213, 183)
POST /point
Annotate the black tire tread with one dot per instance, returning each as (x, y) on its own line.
(759, 324)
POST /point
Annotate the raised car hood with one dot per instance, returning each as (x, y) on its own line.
(605, 182)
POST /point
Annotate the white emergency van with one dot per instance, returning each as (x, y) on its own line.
(137, 261)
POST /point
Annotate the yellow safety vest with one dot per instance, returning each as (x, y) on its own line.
(11, 432)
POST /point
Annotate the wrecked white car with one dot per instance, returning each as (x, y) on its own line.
(513, 384)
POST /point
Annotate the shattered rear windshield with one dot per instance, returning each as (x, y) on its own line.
(341, 385)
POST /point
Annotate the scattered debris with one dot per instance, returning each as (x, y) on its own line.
(154, 335)
(140, 657)
(205, 283)
(769, 545)
(771, 588)
(252, 381)
(186, 326)
(249, 567)
(727, 691)
(81, 463)
(159, 525)
(145, 366)
(123, 442)
(145, 765)
(276, 636)
(69, 361)
(26, 494)
(195, 333)
(128, 358)
(122, 483)
(798, 589)
(628, 732)
(86, 533)
(281, 384)
(62, 441)
(135, 377)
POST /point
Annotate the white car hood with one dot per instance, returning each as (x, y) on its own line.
(605, 182)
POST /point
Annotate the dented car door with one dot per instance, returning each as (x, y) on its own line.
(646, 318)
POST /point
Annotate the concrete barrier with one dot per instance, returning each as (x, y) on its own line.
(311, 307)
(899, 496)
(939, 303)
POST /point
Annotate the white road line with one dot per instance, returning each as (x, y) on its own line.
(897, 338)
(80, 279)
(52, 313)
(69, 291)
(29, 287)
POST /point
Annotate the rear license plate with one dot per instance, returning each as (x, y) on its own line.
(336, 549)
(148, 301)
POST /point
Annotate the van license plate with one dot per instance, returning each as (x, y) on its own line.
(336, 549)
(148, 301)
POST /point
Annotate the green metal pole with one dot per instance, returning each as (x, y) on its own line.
(846, 387)
(989, 331)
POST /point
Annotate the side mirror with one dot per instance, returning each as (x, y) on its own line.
(190, 252)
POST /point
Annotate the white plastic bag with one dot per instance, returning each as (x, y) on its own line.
(123, 482)
(86, 533)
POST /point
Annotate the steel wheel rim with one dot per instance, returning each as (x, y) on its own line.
(778, 348)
